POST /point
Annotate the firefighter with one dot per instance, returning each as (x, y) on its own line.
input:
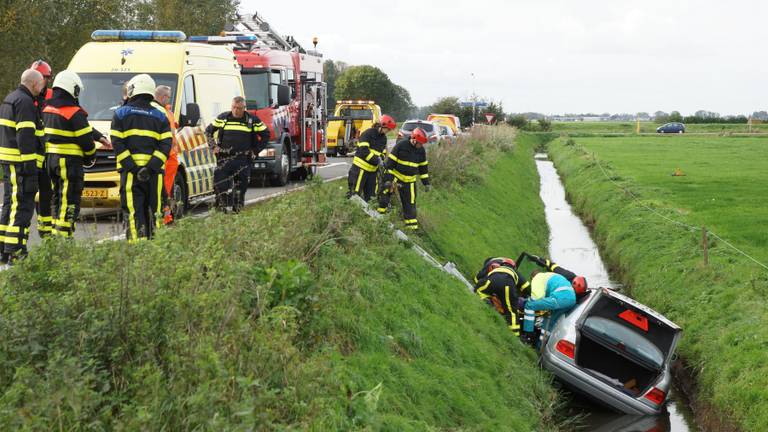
(404, 165)
(579, 283)
(43, 206)
(162, 102)
(68, 145)
(501, 284)
(371, 150)
(20, 152)
(141, 137)
(240, 135)
(549, 292)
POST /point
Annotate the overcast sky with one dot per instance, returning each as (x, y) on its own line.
(549, 56)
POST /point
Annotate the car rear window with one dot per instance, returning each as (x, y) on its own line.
(625, 339)
(426, 127)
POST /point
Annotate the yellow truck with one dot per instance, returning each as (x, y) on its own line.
(349, 120)
(450, 120)
(203, 79)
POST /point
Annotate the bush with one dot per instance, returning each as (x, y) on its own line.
(518, 121)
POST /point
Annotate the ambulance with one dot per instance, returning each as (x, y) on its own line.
(203, 80)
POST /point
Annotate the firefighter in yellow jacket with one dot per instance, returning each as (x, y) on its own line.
(68, 145)
(141, 137)
(406, 163)
(21, 156)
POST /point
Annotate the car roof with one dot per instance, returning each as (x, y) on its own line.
(642, 307)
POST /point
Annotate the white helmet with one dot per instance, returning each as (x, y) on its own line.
(70, 82)
(141, 84)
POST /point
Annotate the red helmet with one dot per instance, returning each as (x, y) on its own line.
(388, 122)
(579, 285)
(510, 262)
(498, 262)
(419, 135)
(42, 67)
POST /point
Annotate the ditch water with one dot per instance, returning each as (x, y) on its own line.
(571, 246)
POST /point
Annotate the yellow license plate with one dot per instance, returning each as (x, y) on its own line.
(96, 193)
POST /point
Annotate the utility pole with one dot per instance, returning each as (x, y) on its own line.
(474, 98)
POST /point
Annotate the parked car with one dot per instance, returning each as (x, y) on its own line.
(614, 350)
(446, 134)
(673, 127)
(430, 128)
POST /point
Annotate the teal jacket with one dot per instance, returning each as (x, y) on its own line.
(549, 292)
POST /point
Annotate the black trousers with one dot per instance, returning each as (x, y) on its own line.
(142, 205)
(18, 206)
(67, 176)
(363, 183)
(45, 194)
(226, 172)
(407, 193)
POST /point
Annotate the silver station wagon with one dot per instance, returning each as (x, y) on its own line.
(614, 350)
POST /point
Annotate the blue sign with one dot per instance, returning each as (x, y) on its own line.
(479, 104)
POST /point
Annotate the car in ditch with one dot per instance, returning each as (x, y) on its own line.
(615, 351)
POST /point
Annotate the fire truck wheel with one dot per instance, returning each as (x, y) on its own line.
(281, 179)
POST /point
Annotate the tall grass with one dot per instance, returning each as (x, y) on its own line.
(300, 313)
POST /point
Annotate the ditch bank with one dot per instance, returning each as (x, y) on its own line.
(724, 369)
(299, 313)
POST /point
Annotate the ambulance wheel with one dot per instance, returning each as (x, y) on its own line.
(179, 197)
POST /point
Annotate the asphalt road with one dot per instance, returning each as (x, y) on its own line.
(101, 224)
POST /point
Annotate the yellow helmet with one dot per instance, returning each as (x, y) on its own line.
(141, 84)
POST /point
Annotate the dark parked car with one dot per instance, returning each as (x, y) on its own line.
(430, 128)
(673, 127)
(614, 350)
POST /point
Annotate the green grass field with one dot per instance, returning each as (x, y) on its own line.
(721, 306)
(649, 127)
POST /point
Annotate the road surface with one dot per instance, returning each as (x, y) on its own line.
(103, 224)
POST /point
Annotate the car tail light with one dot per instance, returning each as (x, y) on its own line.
(636, 319)
(566, 347)
(656, 396)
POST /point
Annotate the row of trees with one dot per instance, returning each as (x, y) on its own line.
(53, 30)
(366, 83)
(451, 105)
(699, 117)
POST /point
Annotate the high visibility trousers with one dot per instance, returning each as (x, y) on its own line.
(363, 183)
(224, 176)
(142, 205)
(18, 206)
(45, 194)
(171, 166)
(407, 193)
(66, 174)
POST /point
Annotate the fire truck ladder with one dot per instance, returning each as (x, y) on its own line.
(255, 25)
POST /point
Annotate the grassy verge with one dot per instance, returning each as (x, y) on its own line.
(720, 305)
(300, 313)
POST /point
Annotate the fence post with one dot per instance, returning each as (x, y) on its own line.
(705, 244)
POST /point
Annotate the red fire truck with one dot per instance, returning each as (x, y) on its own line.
(283, 86)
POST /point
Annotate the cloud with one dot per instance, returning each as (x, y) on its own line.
(550, 56)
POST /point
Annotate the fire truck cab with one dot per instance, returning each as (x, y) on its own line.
(284, 87)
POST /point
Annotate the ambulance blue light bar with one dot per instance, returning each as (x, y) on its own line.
(139, 35)
(223, 39)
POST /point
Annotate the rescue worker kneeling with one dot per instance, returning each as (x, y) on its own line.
(406, 163)
(371, 150)
(141, 137)
(68, 145)
(549, 292)
(240, 136)
(499, 283)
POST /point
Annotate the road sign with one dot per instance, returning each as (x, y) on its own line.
(490, 117)
(479, 104)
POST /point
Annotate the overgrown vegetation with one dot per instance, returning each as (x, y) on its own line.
(301, 313)
(718, 305)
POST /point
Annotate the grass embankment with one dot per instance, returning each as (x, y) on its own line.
(301, 313)
(721, 306)
(650, 127)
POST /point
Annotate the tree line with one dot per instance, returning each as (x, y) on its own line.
(54, 30)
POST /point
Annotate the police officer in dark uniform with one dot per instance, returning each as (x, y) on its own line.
(499, 283)
(21, 132)
(406, 163)
(371, 150)
(141, 137)
(240, 136)
(68, 145)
